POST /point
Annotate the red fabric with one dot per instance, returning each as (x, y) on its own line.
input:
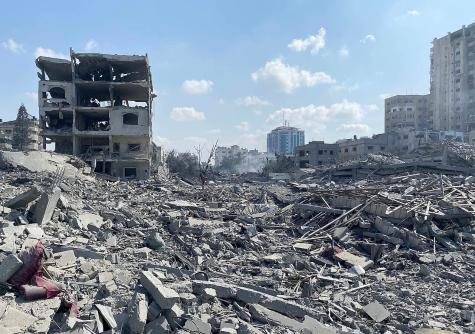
(52, 290)
(32, 262)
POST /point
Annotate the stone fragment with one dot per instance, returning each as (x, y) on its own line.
(354, 260)
(45, 206)
(158, 326)
(155, 241)
(265, 315)
(137, 312)
(196, 325)
(376, 311)
(9, 266)
(163, 296)
(106, 313)
(22, 200)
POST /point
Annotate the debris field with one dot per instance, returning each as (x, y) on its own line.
(389, 253)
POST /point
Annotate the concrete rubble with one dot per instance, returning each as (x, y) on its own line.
(379, 253)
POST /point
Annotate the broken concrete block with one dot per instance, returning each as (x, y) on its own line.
(453, 276)
(137, 311)
(153, 311)
(196, 325)
(64, 259)
(208, 294)
(158, 326)
(22, 200)
(175, 316)
(106, 313)
(467, 315)
(45, 206)
(250, 296)
(303, 246)
(357, 270)
(155, 241)
(9, 266)
(310, 325)
(163, 296)
(34, 231)
(340, 233)
(354, 260)
(376, 311)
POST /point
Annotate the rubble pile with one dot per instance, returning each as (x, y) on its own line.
(386, 254)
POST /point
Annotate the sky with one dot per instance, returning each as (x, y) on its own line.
(230, 71)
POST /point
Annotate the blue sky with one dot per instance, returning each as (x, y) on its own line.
(232, 70)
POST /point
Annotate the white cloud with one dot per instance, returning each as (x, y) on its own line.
(368, 38)
(289, 78)
(243, 126)
(13, 46)
(344, 52)
(314, 42)
(316, 116)
(32, 96)
(355, 128)
(214, 131)
(413, 12)
(197, 87)
(345, 87)
(183, 114)
(91, 45)
(372, 107)
(45, 52)
(161, 141)
(221, 101)
(252, 101)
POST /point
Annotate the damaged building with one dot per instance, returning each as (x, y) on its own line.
(98, 107)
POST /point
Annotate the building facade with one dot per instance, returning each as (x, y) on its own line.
(99, 107)
(452, 83)
(316, 153)
(407, 112)
(284, 139)
(7, 130)
(358, 148)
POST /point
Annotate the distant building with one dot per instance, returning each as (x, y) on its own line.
(316, 153)
(223, 152)
(284, 139)
(407, 112)
(357, 148)
(452, 83)
(7, 130)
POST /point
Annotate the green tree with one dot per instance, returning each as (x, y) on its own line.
(20, 131)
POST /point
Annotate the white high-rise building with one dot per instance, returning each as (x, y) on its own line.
(284, 139)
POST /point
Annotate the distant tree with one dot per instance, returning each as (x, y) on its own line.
(205, 167)
(282, 164)
(183, 164)
(20, 131)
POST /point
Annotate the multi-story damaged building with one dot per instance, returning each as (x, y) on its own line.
(99, 107)
(452, 83)
(407, 112)
(316, 153)
(7, 135)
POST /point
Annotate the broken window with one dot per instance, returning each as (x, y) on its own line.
(130, 119)
(116, 147)
(134, 147)
(130, 172)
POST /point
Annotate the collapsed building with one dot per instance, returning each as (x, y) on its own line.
(99, 107)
